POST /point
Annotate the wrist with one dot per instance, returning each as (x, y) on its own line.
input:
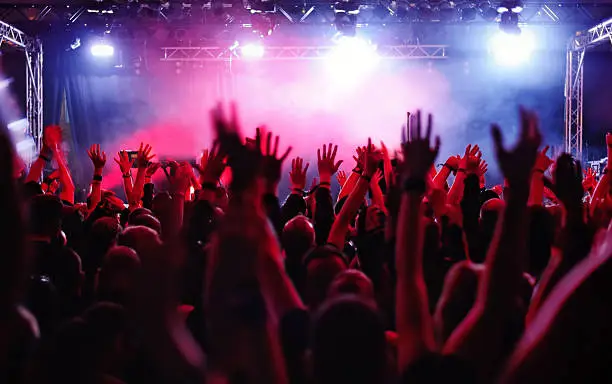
(325, 184)
(98, 171)
(147, 179)
(301, 187)
(325, 178)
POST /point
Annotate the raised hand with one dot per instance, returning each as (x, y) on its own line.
(543, 162)
(483, 167)
(298, 173)
(359, 159)
(372, 158)
(212, 164)
(341, 177)
(124, 162)
(417, 152)
(144, 156)
(453, 162)
(272, 164)
(98, 157)
(151, 169)
(327, 162)
(516, 164)
(470, 162)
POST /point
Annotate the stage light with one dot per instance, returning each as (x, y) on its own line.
(508, 23)
(351, 57)
(514, 6)
(468, 13)
(512, 49)
(252, 51)
(487, 12)
(102, 50)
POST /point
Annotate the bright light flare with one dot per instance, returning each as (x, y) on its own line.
(252, 51)
(352, 57)
(102, 50)
(512, 49)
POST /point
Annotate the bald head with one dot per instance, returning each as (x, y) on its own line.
(142, 239)
(298, 237)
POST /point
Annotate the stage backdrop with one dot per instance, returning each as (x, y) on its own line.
(306, 102)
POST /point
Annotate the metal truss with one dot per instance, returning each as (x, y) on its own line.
(574, 76)
(293, 53)
(34, 82)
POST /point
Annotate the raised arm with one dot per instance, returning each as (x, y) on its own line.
(125, 165)
(272, 168)
(413, 320)
(543, 162)
(337, 234)
(98, 159)
(470, 158)
(45, 155)
(67, 192)
(143, 159)
(481, 337)
(295, 203)
(451, 165)
(324, 210)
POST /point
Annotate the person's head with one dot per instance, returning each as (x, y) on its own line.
(322, 265)
(68, 273)
(353, 282)
(298, 237)
(102, 236)
(148, 221)
(142, 239)
(348, 342)
(489, 213)
(138, 212)
(118, 274)
(45, 215)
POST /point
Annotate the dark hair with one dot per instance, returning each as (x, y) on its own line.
(348, 343)
(45, 215)
(148, 221)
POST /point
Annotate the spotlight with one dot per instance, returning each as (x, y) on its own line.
(487, 12)
(509, 23)
(263, 24)
(252, 51)
(75, 44)
(349, 7)
(511, 49)
(102, 50)
(468, 13)
(447, 11)
(346, 24)
(351, 57)
(514, 6)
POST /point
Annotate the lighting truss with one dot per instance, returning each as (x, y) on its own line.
(34, 82)
(574, 76)
(293, 53)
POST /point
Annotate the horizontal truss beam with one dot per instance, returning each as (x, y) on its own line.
(13, 35)
(200, 54)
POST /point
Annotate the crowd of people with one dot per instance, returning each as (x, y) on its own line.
(403, 277)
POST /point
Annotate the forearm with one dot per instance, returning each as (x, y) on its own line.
(536, 194)
(96, 189)
(337, 234)
(324, 214)
(36, 170)
(348, 186)
(456, 191)
(127, 187)
(440, 179)
(506, 259)
(413, 321)
(149, 194)
(600, 191)
(138, 188)
(67, 192)
(378, 198)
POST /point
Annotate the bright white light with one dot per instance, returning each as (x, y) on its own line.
(102, 50)
(512, 49)
(351, 57)
(252, 51)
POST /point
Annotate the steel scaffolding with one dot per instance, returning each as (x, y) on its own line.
(34, 81)
(574, 76)
(276, 53)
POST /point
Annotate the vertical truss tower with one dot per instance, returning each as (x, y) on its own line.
(574, 76)
(34, 80)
